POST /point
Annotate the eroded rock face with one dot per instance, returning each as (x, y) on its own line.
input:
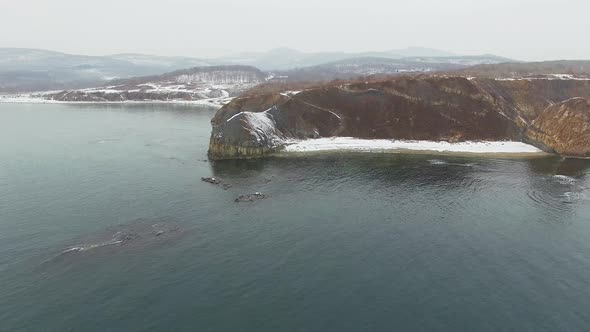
(417, 108)
(254, 134)
(564, 128)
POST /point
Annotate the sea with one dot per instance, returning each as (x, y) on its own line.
(106, 225)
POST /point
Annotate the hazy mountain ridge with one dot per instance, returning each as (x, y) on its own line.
(32, 69)
(214, 85)
(204, 74)
(23, 70)
(366, 66)
(530, 69)
(286, 58)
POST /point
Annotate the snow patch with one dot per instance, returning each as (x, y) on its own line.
(261, 125)
(376, 145)
(549, 77)
(290, 93)
(39, 99)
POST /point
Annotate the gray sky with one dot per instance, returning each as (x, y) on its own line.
(521, 29)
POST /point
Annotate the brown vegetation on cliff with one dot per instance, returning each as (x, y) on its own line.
(565, 127)
(410, 107)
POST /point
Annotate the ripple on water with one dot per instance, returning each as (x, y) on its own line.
(442, 162)
(137, 233)
(564, 179)
(554, 202)
(573, 196)
(559, 192)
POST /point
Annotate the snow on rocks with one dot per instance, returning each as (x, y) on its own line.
(290, 93)
(261, 126)
(549, 77)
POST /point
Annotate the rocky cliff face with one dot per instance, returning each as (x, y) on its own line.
(417, 108)
(564, 127)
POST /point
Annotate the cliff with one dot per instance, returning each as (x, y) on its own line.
(438, 108)
(565, 127)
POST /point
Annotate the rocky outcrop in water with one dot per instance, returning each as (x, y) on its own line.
(211, 180)
(438, 108)
(217, 182)
(250, 197)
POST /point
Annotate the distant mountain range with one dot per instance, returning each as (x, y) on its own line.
(366, 66)
(32, 69)
(528, 69)
(24, 70)
(217, 85)
(287, 58)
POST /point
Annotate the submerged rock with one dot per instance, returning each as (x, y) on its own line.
(216, 181)
(250, 197)
(137, 233)
(211, 180)
(123, 236)
(164, 228)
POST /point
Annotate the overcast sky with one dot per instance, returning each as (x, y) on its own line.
(521, 29)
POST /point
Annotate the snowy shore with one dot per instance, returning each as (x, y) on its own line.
(26, 99)
(383, 145)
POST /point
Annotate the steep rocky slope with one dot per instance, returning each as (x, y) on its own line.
(565, 127)
(416, 108)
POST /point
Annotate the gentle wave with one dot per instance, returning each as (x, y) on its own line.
(564, 179)
(132, 233)
(442, 162)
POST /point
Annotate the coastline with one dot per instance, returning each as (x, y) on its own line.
(214, 102)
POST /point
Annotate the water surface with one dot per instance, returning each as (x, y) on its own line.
(345, 242)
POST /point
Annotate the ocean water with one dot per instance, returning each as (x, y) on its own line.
(105, 225)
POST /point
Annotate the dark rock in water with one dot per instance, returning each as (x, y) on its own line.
(250, 197)
(217, 181)
(211, 180)
(163, 228)
(123, 236)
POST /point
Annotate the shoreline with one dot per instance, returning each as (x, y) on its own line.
(350, 144)
(216, 102)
